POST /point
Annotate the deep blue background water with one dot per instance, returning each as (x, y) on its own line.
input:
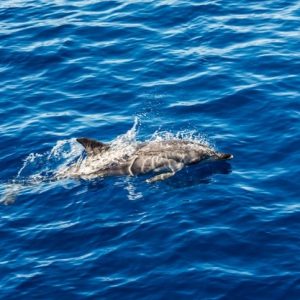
(225, 70)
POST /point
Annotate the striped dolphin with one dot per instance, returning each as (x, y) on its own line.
(164, 157)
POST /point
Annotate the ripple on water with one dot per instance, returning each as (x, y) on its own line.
(222, 73)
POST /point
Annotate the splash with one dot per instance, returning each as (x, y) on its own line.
(129, 139)
(40, 166)
(188, 135)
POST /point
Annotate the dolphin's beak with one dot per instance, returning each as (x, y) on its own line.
(221, 156)
(225, 156)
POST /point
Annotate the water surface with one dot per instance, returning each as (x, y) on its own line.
(223, 72)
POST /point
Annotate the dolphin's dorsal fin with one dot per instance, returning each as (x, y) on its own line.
(92, 147)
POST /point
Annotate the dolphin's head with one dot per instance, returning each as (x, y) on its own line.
(204, 152)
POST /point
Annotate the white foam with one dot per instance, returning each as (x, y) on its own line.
(188, 135)
(37, 166)
(27, 161)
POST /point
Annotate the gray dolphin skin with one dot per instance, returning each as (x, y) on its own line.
(164, 157)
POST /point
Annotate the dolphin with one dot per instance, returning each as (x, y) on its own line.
(164, 157)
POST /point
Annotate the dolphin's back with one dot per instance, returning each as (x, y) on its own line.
(179, 150)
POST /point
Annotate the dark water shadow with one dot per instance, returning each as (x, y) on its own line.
(95, 184)
(199, 174)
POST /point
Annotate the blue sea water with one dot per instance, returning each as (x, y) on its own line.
(226, 72)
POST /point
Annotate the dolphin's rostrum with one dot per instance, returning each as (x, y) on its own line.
(165, 157)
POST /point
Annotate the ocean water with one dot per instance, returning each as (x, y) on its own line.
(223, 72)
